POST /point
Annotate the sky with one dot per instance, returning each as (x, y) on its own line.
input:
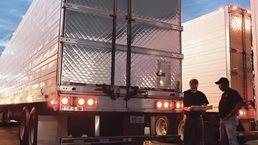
(11, 12)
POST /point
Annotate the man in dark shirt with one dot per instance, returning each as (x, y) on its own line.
(193, 132)
(229, 104)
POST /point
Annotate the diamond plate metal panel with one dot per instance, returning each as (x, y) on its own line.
(153, 37)
(103, 5)
(120, 70)
(106, 5)
(144, 69)
(149, 36)
(99, 29)
(88, 26)
(121, 32)
(85, 64)
(151, 9)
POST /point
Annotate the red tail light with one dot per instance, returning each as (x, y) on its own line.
(163, 105)
(242, 112)
(81, 101)
(90, 102)
(77, 103)
(166, 104)
(53, 101)
(179, 105)
(159, 104)
(65, 100)
(86, 102)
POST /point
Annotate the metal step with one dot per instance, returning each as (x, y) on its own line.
(117, 139)
(248, 135)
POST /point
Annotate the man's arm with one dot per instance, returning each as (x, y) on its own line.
(240, 103)
(188, 108)
(186, 102)
(205, 100)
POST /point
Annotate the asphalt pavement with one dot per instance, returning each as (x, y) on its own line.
(9, 136)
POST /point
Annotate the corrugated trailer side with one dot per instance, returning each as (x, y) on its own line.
(28, 69)
(205, 52)
(29, 63)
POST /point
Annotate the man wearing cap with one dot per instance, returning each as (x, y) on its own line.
(193, 131)
(229, 104)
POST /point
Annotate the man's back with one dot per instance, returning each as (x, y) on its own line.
(228, 102)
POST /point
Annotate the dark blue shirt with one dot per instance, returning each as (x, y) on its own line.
(198, 98)
(228, 102)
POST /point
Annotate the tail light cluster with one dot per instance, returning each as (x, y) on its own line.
(168, 105)
(242, 113)
(85, 102)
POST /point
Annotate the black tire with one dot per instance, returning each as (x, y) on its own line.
(23, 128)
(33, 127)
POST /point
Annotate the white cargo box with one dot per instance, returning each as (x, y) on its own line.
(60, 44)
(217, 45)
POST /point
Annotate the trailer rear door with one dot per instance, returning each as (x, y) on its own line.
(240, 51)
(155, 33)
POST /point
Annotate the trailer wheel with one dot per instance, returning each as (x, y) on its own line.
(181, 128)
(23, 128)
(33, 127)
(162, 125)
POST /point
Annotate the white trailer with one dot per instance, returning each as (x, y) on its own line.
(219, 44)
(94, 67)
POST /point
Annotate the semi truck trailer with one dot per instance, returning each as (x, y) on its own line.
(94, 71)
(219, 44)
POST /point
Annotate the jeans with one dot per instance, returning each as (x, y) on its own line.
(228, 131)
(193, 131)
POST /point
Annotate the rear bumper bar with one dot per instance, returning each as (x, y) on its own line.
(118, 139)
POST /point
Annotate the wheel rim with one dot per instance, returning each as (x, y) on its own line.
(33, 124)
(161, 126)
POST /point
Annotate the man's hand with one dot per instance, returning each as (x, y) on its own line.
(235, 110)
(188, 108)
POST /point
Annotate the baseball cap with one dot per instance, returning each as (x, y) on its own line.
(222, 81)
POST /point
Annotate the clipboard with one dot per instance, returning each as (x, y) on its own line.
(201, 108)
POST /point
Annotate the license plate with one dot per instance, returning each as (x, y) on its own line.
(136, 119)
